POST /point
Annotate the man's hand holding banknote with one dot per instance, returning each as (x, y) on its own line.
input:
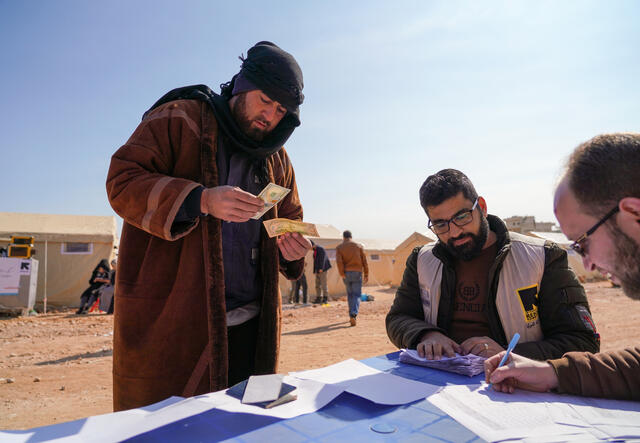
(232, 204)
(293, 246)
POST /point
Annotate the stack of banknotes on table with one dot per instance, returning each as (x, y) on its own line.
(460, 364)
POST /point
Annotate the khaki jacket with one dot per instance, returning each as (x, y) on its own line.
(170, 316)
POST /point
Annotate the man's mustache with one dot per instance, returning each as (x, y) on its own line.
(460, 237)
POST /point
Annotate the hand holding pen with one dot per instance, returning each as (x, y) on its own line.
(518, 372)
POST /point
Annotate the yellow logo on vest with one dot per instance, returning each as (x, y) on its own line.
(529, 302)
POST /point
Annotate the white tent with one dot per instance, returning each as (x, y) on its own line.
(68, 247)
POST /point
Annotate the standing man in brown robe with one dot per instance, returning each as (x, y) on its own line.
(198, 306)
(597, 204)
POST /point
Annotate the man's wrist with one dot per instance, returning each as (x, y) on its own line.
(203, 202)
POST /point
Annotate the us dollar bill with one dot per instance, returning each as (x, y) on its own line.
(270, 195)
(278, 226)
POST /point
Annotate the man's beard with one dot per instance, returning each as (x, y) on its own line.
(627, 259)
(472, 249)
(241, 117)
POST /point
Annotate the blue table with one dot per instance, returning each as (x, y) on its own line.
(347, 418)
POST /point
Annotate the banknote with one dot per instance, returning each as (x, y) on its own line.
(270, 195)
(278, 226)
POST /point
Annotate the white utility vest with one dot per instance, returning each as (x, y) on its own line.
(518, 286)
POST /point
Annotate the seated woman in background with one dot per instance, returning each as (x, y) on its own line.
(99, 277)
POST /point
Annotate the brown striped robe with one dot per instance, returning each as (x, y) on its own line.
(170, 319)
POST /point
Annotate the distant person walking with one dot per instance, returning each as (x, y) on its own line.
(352, 266)
(320, 267)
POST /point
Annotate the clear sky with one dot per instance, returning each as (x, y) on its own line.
(395, 91)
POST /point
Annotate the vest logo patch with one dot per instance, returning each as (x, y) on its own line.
(529, 302)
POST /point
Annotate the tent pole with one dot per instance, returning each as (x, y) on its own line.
(46, 245)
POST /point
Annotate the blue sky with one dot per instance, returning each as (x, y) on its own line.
(395, 91)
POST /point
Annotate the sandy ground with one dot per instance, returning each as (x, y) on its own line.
(60, 363)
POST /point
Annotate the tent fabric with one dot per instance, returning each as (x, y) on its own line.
(328, 231)
(56, 227)
(62, 276)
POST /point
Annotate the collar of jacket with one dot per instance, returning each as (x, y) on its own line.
(255, 150)
(503, 241)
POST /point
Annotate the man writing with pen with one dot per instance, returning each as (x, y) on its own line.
(479, 284)
(597, 204)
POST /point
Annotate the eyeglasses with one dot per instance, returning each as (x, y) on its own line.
(462, 218)
(576, 245)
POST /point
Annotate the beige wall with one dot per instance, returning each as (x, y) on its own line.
(401, 255)
(67, 275)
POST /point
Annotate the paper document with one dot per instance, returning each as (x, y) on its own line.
(615, 418)
(601, 411)
(364, 381)
(497, 416)
(460, 364)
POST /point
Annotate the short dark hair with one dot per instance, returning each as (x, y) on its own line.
(346, 234)
(443, 185)
(604, 170)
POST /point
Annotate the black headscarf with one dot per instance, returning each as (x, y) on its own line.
(278, 75)
(275, 72)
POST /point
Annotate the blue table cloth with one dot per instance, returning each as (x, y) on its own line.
(347, 418)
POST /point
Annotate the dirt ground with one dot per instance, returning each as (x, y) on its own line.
(57, 367)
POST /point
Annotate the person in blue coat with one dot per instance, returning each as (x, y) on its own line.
(320, 267)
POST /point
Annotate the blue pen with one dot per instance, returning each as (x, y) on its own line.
(512, 344)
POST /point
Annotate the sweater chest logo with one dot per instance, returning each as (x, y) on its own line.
(529, 302)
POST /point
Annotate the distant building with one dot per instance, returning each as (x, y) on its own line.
(527, 223)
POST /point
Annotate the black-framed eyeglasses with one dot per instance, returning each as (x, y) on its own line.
(577, 245)
(462, 218)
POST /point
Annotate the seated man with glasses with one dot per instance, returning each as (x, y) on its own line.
(479, 284)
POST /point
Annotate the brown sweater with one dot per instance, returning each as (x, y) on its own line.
(170, 328)
(350, 257)
(614, 374)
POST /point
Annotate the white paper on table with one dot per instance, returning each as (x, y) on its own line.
(620, 431)
(602, 411)
(496, 416)
(364, 381)
(161, 417)
(337, 373)
(312, 396)
(126, 424)
(99, 428)
(606, 418)
(585, 436)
